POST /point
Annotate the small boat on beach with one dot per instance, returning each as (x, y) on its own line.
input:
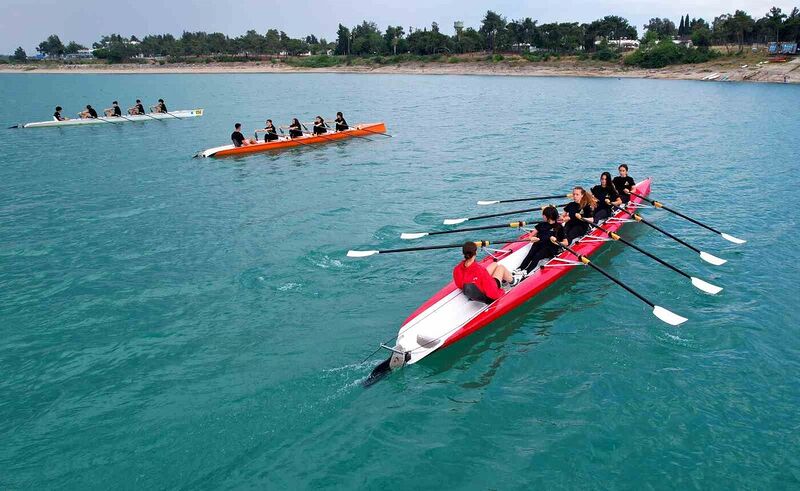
(449, 315)
(358, 131)
(105, 120)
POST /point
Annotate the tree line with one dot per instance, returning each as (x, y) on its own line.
(495, 34)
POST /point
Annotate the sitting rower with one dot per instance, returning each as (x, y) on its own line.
(623, 183)
(479, 283)
(583, 204)
(57, 115)
(295, 129)
(137, 109)
(238, 138)
(341, 124)
(319, 126)
(270, 133)
(113, 111)
(602, 192)
(542, 247)
(160, 107)
(88, 113)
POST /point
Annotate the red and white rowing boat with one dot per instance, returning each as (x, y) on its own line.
(449, 315)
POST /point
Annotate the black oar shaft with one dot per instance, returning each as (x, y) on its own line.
(430, 248)
(659, 204)
(534, 198)
(656, 227)
(485, 227)
(585, 260)
(515, 212)
(616, 236)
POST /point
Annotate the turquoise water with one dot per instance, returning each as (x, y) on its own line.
(170, 322)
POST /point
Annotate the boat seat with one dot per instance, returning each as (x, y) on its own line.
(472, 292)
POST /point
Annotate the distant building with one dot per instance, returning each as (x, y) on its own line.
(622, 44)
(82, 54)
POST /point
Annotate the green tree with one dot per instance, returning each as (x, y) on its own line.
(662, 27)
(272, 42)
(775, 19)
(20, 55)
(702, 37)
(367, 39)
(73, 47)
(681, 28)
(493, 29)
(394, 38)
(741, 24)
(52, 46)
(342, 41)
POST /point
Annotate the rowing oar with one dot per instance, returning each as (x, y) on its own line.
(374, 132)
(357, 136)
(660, 312)
(535, 198)
(176, 117)
(479, 243)
(419, 235)
(709, 258)
(456, 221)
(15, 126)
(659, 204)
(696, 282)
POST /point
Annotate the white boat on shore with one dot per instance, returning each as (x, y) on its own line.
(181, 114)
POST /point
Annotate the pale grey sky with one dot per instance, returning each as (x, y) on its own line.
(27, 22)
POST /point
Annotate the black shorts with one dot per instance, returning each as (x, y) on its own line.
(499, 285)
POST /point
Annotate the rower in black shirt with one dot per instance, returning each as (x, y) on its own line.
(57, 115)
(270, 133)
(114, 110)
(623, 183)
(341, 124)
(237, 137)
(319, 126)
(88, 113)
(602, 192)
(160, 107)
(543, 247)
(583, 204)
(295, 129)
(137, 109)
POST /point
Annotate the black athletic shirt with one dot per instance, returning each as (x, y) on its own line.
(163, 107)
(622, 183)
(601, 194)
(546, 230)
(117, 111)
(92, 112)
(58, 116)
(341, 124)
(140, 108)
(572, 208)
(237, 138)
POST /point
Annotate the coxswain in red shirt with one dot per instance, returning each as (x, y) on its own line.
(479, 283)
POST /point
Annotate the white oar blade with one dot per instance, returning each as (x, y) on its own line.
(484, 203)
(454, 221)
(412, 236)
(361, 253)
(670, 318)
(710, 258)
(706, 286)
(731, 238)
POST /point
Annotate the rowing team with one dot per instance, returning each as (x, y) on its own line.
(295, 130)
(114, 111)
(486, 283)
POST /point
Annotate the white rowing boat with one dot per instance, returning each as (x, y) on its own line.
(181, 114)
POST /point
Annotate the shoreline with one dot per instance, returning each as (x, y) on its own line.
(767, 73)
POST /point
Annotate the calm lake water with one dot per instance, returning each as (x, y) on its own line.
(170, 322)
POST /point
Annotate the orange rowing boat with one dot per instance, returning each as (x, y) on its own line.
(359, 130)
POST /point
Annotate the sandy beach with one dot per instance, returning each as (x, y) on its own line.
(726, 71)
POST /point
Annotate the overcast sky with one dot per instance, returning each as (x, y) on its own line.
(27, 22)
